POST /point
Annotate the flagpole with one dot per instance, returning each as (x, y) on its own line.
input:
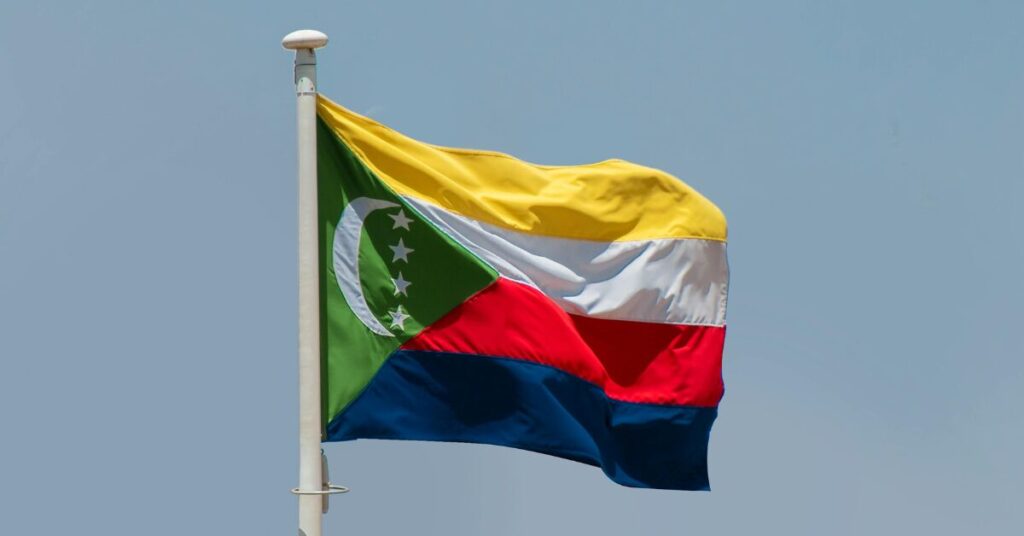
(311, 481)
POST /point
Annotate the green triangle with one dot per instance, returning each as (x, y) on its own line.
(439, 272)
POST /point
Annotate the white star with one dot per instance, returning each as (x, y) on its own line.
(398, 318)
(400, 285)
(401, 252)
(400, 220)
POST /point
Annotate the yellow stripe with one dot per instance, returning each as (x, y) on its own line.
(612, 200)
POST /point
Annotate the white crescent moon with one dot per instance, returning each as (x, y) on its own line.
(346, 259)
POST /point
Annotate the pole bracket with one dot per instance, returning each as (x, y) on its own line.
(330, 489)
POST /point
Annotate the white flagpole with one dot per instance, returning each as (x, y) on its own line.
(311, 482)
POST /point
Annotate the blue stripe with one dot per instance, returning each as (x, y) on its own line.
(434, 396)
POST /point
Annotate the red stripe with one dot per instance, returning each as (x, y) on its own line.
(631, 361)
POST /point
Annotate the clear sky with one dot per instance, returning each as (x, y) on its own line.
(869, 157)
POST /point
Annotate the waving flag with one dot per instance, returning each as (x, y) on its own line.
(577, 311)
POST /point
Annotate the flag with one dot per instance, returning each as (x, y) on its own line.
(576, 311)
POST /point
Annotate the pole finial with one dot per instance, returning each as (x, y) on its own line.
(304, 39)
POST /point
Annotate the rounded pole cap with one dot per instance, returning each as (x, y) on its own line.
(301, 39)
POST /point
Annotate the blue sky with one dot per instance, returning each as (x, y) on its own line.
(869, 157)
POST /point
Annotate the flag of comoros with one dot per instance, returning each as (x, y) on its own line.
(576, 311)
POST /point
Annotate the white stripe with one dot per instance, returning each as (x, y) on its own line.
(669, 281)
